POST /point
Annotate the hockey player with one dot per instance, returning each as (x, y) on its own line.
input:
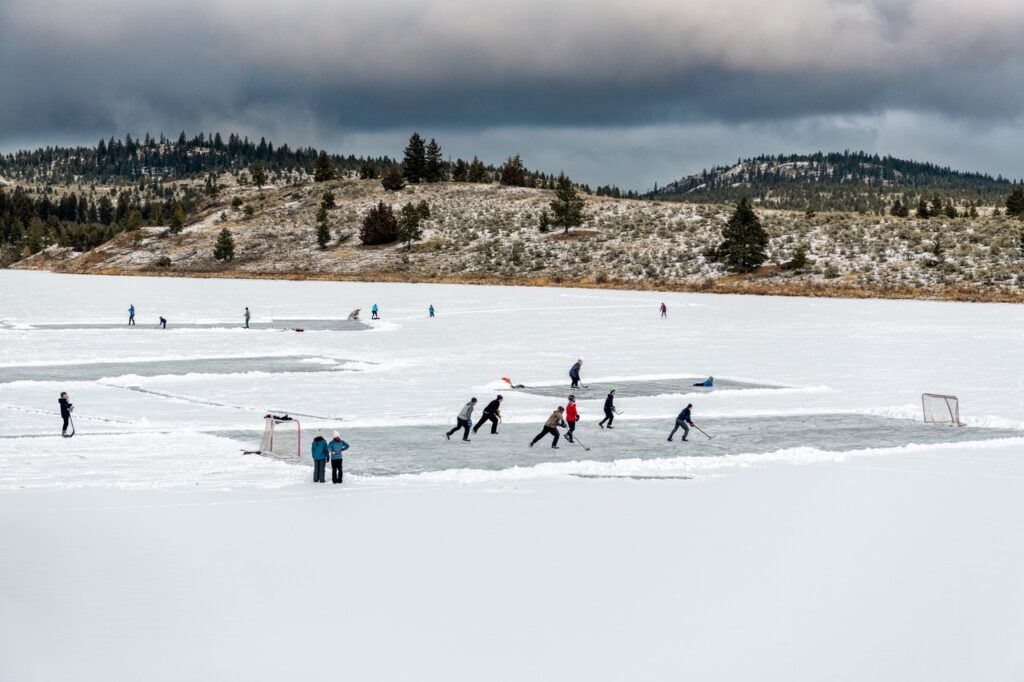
(66, 408)
(572, 416)
(491, 413)
(609, 410)
(574, 373)
(464, 420)
(131, 315)
(707, 383)
(247, 316)
(684, 422)
(550, 426)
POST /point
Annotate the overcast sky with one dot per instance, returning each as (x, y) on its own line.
(630, 93)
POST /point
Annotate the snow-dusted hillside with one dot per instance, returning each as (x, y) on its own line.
(489, 233)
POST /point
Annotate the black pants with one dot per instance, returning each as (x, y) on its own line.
(336, 473)
(487, 416)
(67, 418)
(163, 324)
(609, 417)
(319, 469)
(462, 424)
(568, 434)
(131, 321)
(575, 381)
(247, 323)
(546, 430)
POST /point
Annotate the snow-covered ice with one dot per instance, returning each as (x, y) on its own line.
(824, 533)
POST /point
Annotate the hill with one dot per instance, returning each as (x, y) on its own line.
(848, 181)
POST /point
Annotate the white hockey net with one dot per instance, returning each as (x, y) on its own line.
(941, 409)
(282, 438)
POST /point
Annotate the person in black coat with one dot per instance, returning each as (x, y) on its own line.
(491, 413)
(609, 410)
(65, 412)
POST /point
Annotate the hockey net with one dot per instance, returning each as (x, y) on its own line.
(282, 438)
(941, 409)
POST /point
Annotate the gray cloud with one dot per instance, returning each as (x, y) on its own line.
(566, 71)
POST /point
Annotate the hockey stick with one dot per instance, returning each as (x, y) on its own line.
(577, 442)
(702, 431)
(71, 420)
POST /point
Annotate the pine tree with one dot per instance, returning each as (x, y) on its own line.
(224, 249)
(323, 169)
(922, 209)
(424, 208)
(323, 230)
(899, 210)
(1015, 202)
(177, 219)
(327, 200)
(367, 170)
(379, 226)
(460, 171)
(134, 220)
(544, 222)
(433, 169)
(951, 211)
(414, 162)
(477, 171)
(409, 225)
(513, 173)
(259, 175)
(393, 180)
(567, 208)
(972, 210)
(743, 240)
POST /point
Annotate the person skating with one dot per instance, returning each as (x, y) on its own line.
(464, 420)
(374, 312)
(431, 309)
(707, 383)
(551, 426)
(66, 408)
(320, 454)
(491, 413)
(131, 315)
(336, 447)
(664, 309)
(684, 422)
(572, 416)
(247, 316)
(574, 373)
(609, 410)
(163, 322)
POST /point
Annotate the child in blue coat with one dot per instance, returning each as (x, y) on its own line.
(336, 447)
(320, 455)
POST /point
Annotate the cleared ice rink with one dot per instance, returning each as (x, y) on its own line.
(824, 532)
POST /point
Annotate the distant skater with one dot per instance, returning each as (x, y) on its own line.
(464, 420)
(163, 322)
(374, 312)
(707, 383)
(609, 410)
(320, 454)
(664, 309)
(684, 422)
(66, 408)
(131, 315)
(336, 448)
(551, 426)
(431, 309)
(574, 373)
(491, 413)
(247, 316)
(572, 416)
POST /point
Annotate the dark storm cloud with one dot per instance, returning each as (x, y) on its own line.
(309, 71)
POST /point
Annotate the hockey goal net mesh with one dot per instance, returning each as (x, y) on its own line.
(941, 409)
(282, 438)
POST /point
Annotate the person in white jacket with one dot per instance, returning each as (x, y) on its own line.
(464, 420)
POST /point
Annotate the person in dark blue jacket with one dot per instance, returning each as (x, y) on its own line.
(65, 412)
(684, 422)
(336, 447)
(131, 315)
(320, 454)
(707, 383)
(574, 373)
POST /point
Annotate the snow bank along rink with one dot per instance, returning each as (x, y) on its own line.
(149, 548)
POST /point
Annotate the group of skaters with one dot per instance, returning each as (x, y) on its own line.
(566, 417)
(246, 316)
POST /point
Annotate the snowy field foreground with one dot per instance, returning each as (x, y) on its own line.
(825, 533)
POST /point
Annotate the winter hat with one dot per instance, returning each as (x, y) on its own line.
(572, 398)
(337, 435)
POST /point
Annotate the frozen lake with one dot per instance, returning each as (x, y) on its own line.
(824, 533)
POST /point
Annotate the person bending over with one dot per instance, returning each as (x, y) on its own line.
(684, 422)
(609, 410)
(551, 426)
(464, 420)
(491, 413)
